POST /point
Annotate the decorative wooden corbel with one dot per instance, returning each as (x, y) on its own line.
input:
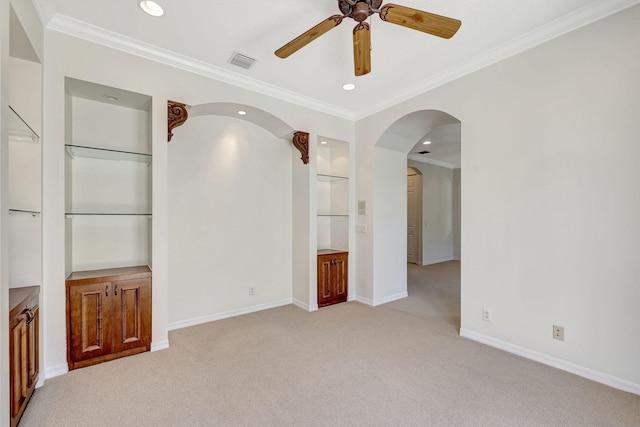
(301, 142)
(176, 116)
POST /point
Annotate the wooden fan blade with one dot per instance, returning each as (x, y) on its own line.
(426, 22)
(362, 49)
(309, 36)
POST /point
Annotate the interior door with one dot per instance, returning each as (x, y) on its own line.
(414, 217)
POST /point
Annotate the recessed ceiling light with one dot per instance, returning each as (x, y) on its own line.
(426, 143)
(110, 98)
(242, 112)
(323, 142)
(349, 86)
(151, 8)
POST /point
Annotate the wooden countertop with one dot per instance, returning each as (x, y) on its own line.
(331, 251)
(19, 298)
(109, 274)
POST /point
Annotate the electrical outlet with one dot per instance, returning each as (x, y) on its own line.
(252, 290)
(558, 332)
(486, 315)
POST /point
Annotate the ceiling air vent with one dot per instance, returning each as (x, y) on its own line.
(241, 60)
(424, 152)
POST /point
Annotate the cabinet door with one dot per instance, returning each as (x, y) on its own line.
(19, 369)
(340, 275)
(332, 279)
(90, 321)
(132, 314)
(33, 326)
(325, 277)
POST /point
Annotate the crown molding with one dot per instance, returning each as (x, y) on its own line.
(70, 26)
(586, 15)
(420, 158)
(66, 25)
(45, 9)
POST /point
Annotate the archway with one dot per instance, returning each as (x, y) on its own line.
(390, 199)
(231, 195)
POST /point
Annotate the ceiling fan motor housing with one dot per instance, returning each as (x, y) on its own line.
(359, 10)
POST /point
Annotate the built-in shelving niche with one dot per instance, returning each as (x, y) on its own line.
(333, 194)
(24, 188)
(108, 177)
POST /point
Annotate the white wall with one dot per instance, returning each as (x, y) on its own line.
(68, 56)
(457, 220)
(230, 210)
(4, 235)
(437, 212)
(390, 239)
(549, 198)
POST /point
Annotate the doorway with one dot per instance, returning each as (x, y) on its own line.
(414, 216)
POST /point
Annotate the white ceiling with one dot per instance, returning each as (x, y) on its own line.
(203, 34)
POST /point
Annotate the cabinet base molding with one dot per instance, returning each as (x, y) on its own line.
(106, 358)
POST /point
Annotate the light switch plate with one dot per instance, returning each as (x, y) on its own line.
(362, 207)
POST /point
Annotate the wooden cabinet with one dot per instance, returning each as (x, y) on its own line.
(332, 276)
(108, 314)
(23, 347)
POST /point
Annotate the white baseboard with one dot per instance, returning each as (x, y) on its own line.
(159, 345)
(305, 306)
(380, 301)
(226, 314)
(363, 300)
(581, 371)
(436, 261)
(56, 371)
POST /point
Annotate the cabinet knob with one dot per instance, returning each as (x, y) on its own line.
(106, 291)
(30, 315)
(115, 290)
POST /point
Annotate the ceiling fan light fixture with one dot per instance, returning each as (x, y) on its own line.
(348, 86)
(151, 8)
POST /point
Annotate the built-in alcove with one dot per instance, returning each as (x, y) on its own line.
(108, 177)
(333, 194)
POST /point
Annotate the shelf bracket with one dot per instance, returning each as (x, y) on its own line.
(301, 142)
(176, 115)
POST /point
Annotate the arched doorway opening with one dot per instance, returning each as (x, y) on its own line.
(397, 149)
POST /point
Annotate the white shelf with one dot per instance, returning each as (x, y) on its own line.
(72, 214)
(24, 212)
(105, 154)
(19, 130)
(332, 178)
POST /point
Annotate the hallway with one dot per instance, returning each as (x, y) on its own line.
(434, 293)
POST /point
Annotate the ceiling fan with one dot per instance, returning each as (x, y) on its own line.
(360, 10)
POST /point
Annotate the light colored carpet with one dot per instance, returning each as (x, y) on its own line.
(401, 364)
